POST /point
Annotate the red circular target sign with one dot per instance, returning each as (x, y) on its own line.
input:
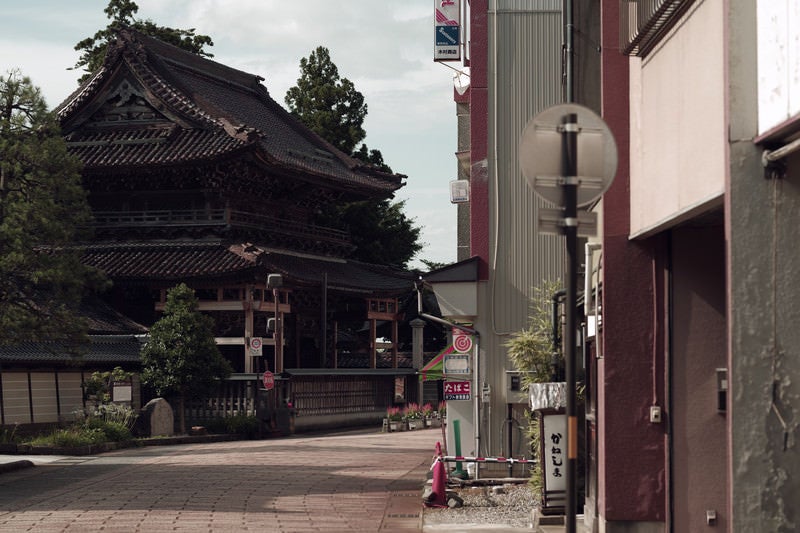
(269, 380)
(462, 343)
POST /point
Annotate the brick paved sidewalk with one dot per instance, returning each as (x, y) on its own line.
(367, 481)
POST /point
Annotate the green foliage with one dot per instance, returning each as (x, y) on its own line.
(70, 437)
(99, 383)
(332, 107)
(433, 265)
(531, 349)
(373, 157)
(381, 232)
(43, 211)
(121, 13)
(8, 436)
(245, 425)
(327, 104)
(181, 356)
(113, 420)
(532, 433)
(112, 431)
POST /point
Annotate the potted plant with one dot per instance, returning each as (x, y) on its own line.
(427, 414)
(413, 415)
(442, 411)
(394, 416)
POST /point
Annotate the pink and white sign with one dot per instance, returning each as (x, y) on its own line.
(447, 30)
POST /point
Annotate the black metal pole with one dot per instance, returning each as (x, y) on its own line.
(569, 156)
(570, 166)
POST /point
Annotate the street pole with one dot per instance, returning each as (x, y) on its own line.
(569, 138)
(569, 156)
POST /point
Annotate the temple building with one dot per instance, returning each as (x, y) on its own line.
(195, 174)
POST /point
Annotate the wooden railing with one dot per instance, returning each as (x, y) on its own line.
(216, 217)
(336, 395)
(161, 217)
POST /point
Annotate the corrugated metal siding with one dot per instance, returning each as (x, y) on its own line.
(525, 78)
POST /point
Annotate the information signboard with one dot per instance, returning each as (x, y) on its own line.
(457, 390)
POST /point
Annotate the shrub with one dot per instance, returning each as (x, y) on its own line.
(70, 437)
(116, 432)
(244, 425)
(8, 436)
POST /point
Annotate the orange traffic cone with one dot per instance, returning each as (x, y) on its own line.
(438, 496)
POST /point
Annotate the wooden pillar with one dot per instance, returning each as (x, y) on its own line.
(394, 343)
(335, 342)
(278, 333)
(373, 351)
(247, 305)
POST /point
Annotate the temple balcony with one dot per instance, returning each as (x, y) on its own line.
(171, 222)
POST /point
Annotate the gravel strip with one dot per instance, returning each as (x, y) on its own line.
(509, 504)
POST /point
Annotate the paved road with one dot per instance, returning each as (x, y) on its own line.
(363, 481)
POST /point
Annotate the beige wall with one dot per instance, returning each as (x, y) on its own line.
(678, 131)
(778, 62)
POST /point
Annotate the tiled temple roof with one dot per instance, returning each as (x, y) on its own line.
(197, 110)
(113, 349)
(197, 260)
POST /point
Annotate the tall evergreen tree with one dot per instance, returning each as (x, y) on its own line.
(181, 356)
(332, 107)
(326, 103)
(121, 13)
(43, 210)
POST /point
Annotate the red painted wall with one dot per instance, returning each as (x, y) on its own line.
(631, 450)
(479, 138)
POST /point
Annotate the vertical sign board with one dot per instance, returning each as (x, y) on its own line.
(554, 459)
(447, 30)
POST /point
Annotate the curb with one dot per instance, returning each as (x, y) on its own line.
(15, 465)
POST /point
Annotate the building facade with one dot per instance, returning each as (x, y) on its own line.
(694, 387)
(688, 330)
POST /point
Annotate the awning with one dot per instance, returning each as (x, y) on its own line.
(435, 368)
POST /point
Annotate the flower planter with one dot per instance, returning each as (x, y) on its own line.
(414, 423)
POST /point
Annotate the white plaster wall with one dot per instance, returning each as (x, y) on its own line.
(678, 131)
(778, 62)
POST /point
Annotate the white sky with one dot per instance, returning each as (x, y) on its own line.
(385, 48)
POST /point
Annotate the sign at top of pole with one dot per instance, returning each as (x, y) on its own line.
(540, 154)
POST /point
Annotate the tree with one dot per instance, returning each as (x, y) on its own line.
(43, 211)
(121, 13)
(332, 107)
(373, 157)
(180, 356)
(380, 231)
(328, 105)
